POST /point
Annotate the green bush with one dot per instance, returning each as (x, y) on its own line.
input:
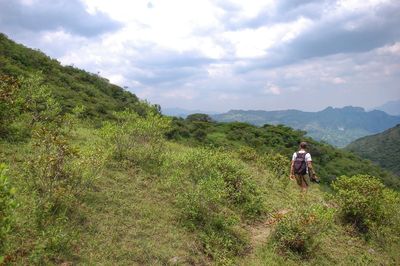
(298, 233)
(204, 163)
(54, 173)
(220, 194)
(369, 206)
(205, 208)
(137, 139)
(248, 154)
(7, 205)
(278, 164)
(9, 89)
(49, 171)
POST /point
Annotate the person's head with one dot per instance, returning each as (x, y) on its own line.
(303, 145)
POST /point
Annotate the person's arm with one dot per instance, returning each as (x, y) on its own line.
(291, 176)
(311, 171)
(310, 168)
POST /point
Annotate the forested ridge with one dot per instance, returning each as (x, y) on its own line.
(122, 184)
(382, 148)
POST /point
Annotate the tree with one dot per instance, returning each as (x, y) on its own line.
(199, 117)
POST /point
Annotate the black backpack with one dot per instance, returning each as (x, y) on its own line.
(300, 167)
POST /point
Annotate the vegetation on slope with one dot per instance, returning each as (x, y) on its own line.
(70, 86)
(330, 162)
(119, 192)
(382, 148)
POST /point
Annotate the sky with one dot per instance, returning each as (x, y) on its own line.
(217, 55)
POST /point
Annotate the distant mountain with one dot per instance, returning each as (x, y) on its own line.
(392, 107)
(180, 112)
(337, 126)
(382, 148)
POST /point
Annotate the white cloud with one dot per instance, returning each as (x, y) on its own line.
(219, 70)
(333, 80)
(393, 49)
(28, 2)
(272, 89)
(216, 54)
(181, 94)
(255, 42)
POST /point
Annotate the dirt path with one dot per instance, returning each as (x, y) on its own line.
(260, 232)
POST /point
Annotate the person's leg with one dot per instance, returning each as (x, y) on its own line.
(304, 184)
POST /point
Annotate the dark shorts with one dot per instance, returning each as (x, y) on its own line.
(303, 180)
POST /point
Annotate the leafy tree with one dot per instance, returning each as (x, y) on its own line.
(199, 117)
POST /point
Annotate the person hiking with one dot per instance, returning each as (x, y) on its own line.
(301, 167)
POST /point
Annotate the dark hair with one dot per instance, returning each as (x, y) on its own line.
(303, 145)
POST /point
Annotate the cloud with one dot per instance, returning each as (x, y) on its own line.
(272, 89)
(285, 11)
(390, 49)
(341, 31)
(350, 34)
(224, 54)
(181, 94)
(48, 15)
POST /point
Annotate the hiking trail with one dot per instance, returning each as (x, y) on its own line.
(260, 232)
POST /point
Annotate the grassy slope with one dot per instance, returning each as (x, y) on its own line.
(382, 148)
(330, 162)
(71, 86)
(131, 217)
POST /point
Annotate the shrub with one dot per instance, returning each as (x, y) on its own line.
(50, 174)
(137, 139)
(204, 163)
(220, 194)
(248, 154)
(7, 205)
(205, 209)
(9, 88)
(37, 99)
(367, 204)
(49, 171)
(298, 232)
(278, 164)
(53, 172)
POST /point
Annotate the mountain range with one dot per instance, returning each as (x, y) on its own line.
(392, 107)
(337, 126)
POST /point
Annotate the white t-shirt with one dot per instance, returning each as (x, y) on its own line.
(307, 158)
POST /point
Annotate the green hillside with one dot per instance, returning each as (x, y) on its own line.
(146, 189)
(337, 126)
(330, 162)
(382, 148)
(71, 86)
